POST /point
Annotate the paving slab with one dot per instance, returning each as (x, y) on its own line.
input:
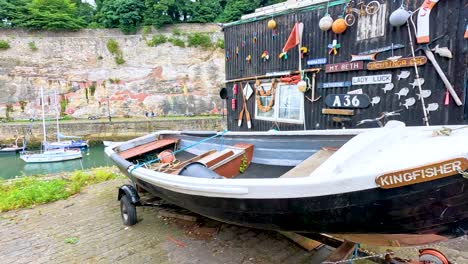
(87, 228)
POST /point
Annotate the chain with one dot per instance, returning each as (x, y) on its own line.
(357, 258)
(463, 173)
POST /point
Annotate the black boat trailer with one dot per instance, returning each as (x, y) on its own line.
(129, 198)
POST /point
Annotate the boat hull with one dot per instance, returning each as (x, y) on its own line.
(435, 207)
(81, 144)
(52, 157)
(10, 150)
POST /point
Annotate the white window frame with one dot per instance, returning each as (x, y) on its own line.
(275, 107)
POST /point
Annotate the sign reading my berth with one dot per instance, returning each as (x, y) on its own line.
(344, 66)
(422, 174)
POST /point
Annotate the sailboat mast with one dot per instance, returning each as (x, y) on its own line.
(57, 116)
(43, 117)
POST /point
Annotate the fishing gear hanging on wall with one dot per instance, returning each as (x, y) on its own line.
(260, 92)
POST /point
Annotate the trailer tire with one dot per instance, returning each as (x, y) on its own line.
(128, 211)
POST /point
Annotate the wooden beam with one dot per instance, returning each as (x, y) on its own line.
(268, 76)
(185, 217)
(329, 111)
(305, 242)
(342, 252)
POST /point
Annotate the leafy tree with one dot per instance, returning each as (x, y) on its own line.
(52, 15)
(12, 12)
(124, 14)
(85, 10)
(161, 12)
(205, 11)
(234, 9)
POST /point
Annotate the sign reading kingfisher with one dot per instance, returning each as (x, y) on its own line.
(422, 174)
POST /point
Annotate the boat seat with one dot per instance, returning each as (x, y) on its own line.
(148, 147)
(175, 169)
(216, 157)
(306, 167)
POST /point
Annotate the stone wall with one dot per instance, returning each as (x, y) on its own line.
(165, 79)
(107, 131)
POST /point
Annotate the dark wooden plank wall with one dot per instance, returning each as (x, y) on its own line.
(447, 19)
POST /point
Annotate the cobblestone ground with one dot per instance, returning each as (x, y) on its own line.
(87, 229)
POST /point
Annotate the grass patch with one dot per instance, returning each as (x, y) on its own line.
(71, 240)
(199, 40)
(220, 43)
(4, 45)
(32, 46)
(30, 191)
(176, 32)
(114, 49)
(156, 40)
(177, 42)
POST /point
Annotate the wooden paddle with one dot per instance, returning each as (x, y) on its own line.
(244, 109)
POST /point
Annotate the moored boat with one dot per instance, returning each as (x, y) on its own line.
(394, 181)
(55, 155)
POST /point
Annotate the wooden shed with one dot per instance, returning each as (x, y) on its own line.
(377, 81)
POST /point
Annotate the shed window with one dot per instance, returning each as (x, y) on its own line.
(288, 105)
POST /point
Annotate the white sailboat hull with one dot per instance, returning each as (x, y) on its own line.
(52, 156)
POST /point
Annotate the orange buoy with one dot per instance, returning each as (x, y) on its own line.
(166, 156)
(339, 26)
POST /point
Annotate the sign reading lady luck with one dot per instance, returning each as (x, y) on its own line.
(372, 79)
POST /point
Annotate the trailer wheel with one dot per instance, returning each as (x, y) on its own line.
(128, 211)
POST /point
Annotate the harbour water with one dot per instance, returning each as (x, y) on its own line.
(11, 165)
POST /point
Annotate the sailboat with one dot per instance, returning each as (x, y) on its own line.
(73, 142)
(48, 155)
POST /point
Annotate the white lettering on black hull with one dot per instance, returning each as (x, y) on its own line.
(422, 174)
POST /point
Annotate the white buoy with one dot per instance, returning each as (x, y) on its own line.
(399, 17)
(326, 22)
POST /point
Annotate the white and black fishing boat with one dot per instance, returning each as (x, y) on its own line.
(396, 183)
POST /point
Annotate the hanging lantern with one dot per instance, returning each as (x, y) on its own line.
(399, 17)
(272, 24)
(339, 26)
(326, 22)
(302, 86)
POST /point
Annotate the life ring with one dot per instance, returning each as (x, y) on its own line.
(430, 255)
(259, 91)
(166, 156)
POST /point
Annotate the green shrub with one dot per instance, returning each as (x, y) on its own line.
(220, 43)
(114, 49)
(199, 40)
(119, 60)
(176, 32)
(66, 118)
(177, 42)
(32, 46)
(113, 46)
(29, 191)
(4, 45)
(92, 89)
(157, 40)
(146, 30)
